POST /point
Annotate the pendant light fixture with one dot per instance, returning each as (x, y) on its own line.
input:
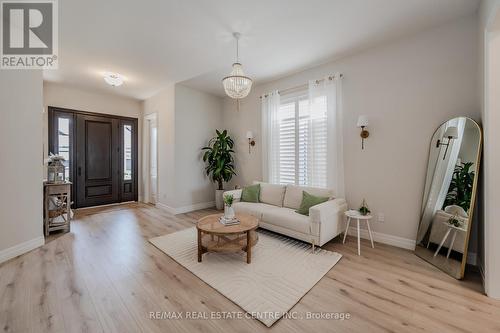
(237, 85)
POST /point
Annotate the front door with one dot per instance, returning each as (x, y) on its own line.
(101, 155)
(97, 157)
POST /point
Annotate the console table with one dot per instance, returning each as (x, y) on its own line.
(56, 207)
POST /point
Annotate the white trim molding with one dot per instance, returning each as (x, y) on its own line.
(185, 209)
(19, 249)
(401, 242)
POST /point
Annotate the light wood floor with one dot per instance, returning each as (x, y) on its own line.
(104, 276)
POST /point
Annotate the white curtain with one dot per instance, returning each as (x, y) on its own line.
(443, 174)
(270, 137)
(327, 91)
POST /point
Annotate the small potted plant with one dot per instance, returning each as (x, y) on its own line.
(364, 210)
(228, 207)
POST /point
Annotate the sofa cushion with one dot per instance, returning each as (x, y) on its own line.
(308, 201)
(250, 193)
(272, 194)
(293, 194)
(254, 209)
(287, 218)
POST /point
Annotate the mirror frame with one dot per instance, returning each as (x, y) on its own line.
(473, 199)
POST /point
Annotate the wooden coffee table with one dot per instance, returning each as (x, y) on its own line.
(213, 236)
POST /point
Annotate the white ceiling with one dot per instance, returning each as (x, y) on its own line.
(157, 42)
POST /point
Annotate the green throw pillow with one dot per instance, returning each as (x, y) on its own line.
(309, 200)
(250, 193)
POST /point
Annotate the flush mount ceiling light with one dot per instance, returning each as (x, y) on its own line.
(113, 79)
(237, 85)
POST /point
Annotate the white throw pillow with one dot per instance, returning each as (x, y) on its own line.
(293, 194)
(272, 194)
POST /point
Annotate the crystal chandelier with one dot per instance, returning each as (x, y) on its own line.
(237, 85)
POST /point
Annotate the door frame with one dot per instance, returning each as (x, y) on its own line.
(52, 112)
(146, 165)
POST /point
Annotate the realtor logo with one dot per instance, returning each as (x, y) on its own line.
(29, 34)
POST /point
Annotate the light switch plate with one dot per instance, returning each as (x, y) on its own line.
(381, 217)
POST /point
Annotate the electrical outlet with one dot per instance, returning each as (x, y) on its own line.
(381, 217)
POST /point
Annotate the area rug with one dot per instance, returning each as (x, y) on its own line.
(282, 271)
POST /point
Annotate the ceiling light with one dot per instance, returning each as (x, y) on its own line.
(237, 85)
(113, 79)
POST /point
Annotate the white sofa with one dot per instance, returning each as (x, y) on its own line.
(276, 212)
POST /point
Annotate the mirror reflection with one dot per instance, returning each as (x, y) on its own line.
(449, 195)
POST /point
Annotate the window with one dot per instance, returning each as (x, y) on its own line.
(302, 156)
(127, 156)
(63, 143)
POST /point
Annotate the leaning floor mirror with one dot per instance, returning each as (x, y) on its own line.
(449, 195)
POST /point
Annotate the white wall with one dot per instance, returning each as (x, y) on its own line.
(21, 164)
(197, 115)
(407, 88)
(489, 48)
(68, 97)
(64, 96)
(187, 119)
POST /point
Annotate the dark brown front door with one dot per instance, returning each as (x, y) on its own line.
(97, 160)
(102, 152)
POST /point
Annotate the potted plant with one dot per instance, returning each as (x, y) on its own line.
(219, 160)
(460, 190)
(364, 210)
(228, 206)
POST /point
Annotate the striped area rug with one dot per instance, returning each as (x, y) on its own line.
(282, 271)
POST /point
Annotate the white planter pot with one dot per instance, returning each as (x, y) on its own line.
(228, 212)
(219, 200)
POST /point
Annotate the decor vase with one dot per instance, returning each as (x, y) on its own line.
(228, 212)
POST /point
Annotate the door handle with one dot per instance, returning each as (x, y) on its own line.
(79, 171)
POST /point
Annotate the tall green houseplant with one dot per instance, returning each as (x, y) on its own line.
(460, 191)
(218, 156)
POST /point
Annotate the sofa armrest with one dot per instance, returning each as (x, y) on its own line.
(235, 193)
(326, 219)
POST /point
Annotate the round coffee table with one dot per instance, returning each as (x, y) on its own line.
(214, 236)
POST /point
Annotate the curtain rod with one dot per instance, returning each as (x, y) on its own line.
(302, 86)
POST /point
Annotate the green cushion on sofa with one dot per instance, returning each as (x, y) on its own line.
(250, 193)
(309, 200)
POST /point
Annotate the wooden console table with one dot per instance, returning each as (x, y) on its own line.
(56, 207)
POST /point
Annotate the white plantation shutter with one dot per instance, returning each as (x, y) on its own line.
(297, 145)
(287, 147)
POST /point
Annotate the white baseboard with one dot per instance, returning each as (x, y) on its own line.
(20, 249)
(185, 209)
(401, 242)
(166, 208)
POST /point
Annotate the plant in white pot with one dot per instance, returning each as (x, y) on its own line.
(219, 161)
(228, 207)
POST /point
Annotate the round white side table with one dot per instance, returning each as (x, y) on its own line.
(352, 214)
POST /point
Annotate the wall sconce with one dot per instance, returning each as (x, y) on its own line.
(363, 122)
(251, 141)
(450, 134)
